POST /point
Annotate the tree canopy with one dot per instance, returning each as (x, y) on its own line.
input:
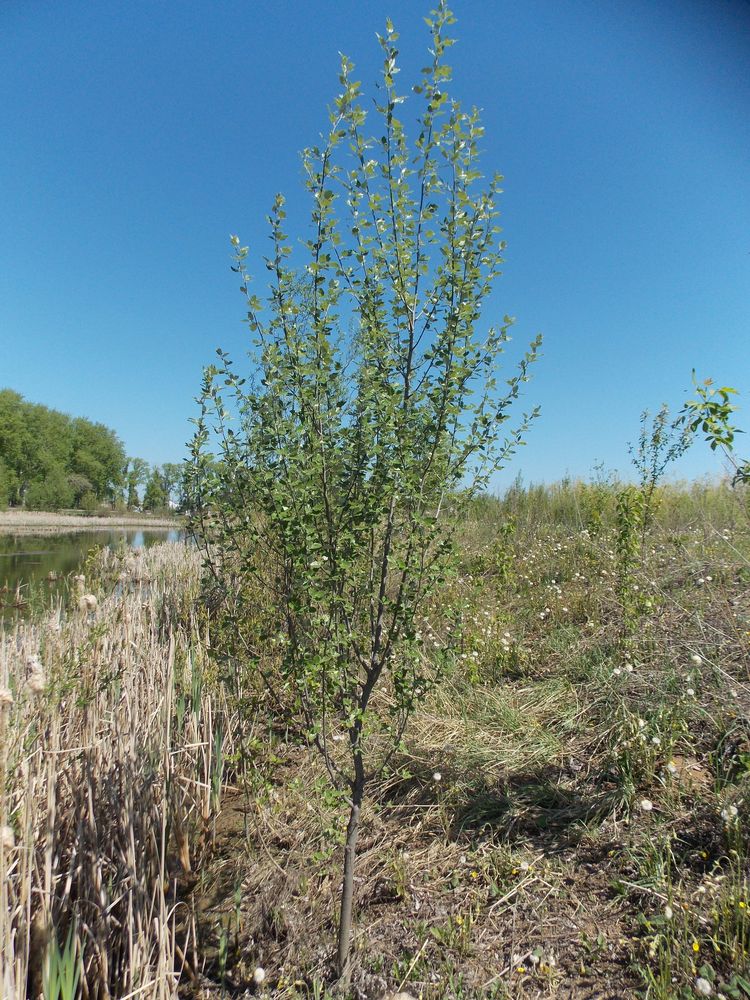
(49, 460)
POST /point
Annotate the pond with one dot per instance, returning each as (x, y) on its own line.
(43, 561)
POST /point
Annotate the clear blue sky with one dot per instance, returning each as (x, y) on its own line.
(136, 136)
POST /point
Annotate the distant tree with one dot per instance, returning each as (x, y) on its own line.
(155, 496)
(16, 444)
(98, 454)
(39, 445)
(5, 485)
(132, 500)
(171, 475)
(80, 485)
(88, 502)
(136, 475)
(51, 493)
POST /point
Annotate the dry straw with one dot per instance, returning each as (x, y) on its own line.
(104, 786)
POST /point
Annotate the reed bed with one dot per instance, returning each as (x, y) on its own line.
(111, 749)
(20, 522)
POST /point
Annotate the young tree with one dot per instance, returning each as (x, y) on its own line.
(661, 442)
(710, 412)
(335, 476)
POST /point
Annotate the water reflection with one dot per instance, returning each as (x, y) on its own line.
(43, 561)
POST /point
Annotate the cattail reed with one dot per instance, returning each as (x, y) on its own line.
(101, 790)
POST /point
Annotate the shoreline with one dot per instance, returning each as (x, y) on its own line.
(34, 522)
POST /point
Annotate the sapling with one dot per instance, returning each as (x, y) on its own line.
(660, 443)
(710, 412)
(331, 480)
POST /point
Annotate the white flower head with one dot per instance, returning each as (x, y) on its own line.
(437, 776)
(646, 805)
(696, 659)
(728, 813)
(690, 692)
(259, 975)
(668, 914)
(702, 987)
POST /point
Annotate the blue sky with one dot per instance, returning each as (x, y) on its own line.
(137, 136)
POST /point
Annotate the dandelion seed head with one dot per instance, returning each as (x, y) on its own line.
(646, 805)
(437, 776)
(696, 659)
(259, 975)
(702, 987)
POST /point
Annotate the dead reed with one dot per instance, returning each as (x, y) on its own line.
(110, 768)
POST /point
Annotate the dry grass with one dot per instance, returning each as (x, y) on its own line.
(107, 772)
(31, 522)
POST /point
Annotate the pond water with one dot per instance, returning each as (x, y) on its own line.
(43, 561)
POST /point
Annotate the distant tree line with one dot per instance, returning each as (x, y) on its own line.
(52, 461)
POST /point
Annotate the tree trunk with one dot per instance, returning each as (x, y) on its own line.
(347, 889)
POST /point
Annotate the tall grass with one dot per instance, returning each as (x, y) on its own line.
(578, 505)
(518, 793)
(107, 781)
